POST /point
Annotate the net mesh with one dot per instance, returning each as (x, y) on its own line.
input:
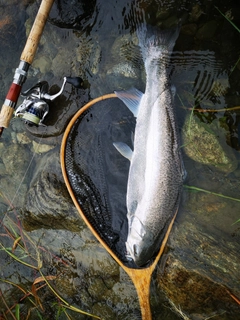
(98, 174)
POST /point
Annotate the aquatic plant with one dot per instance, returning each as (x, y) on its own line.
(233, 24)
(22, 249)
(210, 192)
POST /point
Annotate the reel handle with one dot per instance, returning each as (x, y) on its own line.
(77, 82)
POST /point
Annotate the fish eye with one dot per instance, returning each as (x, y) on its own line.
(135, 250)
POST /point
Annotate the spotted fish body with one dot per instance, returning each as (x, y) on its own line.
(156, 170)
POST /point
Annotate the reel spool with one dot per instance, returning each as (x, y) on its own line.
(35, 107)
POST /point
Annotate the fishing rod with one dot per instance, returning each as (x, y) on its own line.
(26, 60)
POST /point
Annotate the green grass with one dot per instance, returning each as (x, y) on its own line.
(235, 27)
(23, 250)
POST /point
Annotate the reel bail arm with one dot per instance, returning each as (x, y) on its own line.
(35, 107)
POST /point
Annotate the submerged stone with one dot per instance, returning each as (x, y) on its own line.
(199, 273)
(48, 203)
(207, 31)
(16, 159)
(41, 148)
(203, 144)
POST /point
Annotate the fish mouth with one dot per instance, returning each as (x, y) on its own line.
(128, 256)
(141, 259)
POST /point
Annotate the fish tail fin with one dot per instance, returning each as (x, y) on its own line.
(155, 42)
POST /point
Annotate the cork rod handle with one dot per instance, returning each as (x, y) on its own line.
(36, 31)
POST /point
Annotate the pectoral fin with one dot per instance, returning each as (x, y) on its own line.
(131, 98)
(124, 149)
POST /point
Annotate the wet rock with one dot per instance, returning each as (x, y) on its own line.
(171, 22)
(125, 47)
(22, 138)
(220, 87)
(195, 13)
(206, 144)
(104, 311)
(207, 31)
(43, 64)
(48, 203)
(56, 251)
(41, 148)
(189, 29)
(97, 260)
(200, 268)
(2, 169)
(197, 277)
(61, 62)
(13, 137)
(126, 73)
(16, 159)
(17, 125)
(8, 27)
(125, 69)
(97, 289)
(13, 190)
(122, 293)
(162, 14)
(62, 15)
(88, 55)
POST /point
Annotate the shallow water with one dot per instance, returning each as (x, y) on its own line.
(98, 43)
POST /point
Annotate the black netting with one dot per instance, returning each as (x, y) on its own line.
(98, 173)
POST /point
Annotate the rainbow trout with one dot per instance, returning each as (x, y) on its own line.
(156, 170)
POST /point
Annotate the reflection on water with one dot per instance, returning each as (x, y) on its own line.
(96, 40)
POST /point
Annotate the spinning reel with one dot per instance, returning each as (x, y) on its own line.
(35, 106)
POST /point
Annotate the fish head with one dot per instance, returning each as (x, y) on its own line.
(139, 242)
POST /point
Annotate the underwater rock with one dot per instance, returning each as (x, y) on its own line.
(200, 268)
(43, 64)
(206, 144)
(220, 87)
(2, 169)
(200, 273)
(16, 159)
(61, 62)
(104, 311)
(41, 148)
(88, 55)
(13, 191)
(9, 24)
(195, 13)
(125, 49)
(48, 203)
(63, 16)
(22, 138)
(207, 31)
(189, 29)
(125, 69)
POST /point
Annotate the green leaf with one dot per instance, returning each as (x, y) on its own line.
(230, 21)
(17, 311)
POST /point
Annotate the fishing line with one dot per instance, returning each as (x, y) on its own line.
(25, 174)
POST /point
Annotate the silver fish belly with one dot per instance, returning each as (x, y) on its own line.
(156, 170)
